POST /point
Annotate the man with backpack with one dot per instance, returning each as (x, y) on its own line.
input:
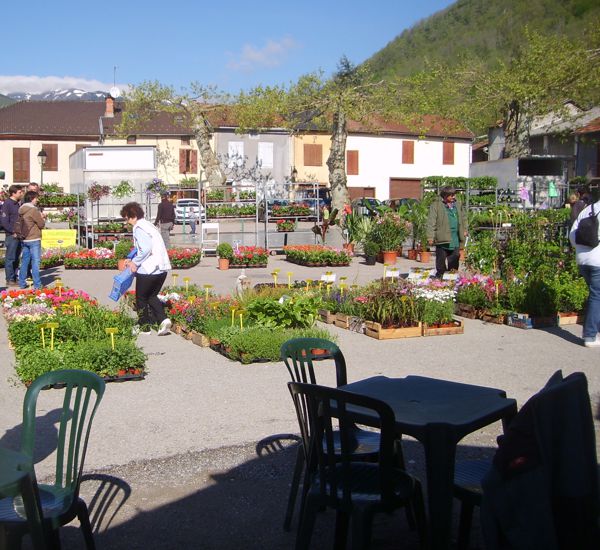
(9, 214)
(31, 222)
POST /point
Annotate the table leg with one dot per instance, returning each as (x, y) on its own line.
(31, 502)
(440, 450)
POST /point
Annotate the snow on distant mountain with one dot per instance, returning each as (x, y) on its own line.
(71, 94)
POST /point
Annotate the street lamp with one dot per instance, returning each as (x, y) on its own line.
(42, 158)
(294, 174)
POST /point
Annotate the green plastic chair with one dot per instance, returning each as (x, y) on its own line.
(60, 501)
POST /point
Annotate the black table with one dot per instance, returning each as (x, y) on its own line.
(439, 414)
(18, 478)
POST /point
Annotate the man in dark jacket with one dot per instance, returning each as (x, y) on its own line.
(165, 218)
(584, 198)
(8, 216)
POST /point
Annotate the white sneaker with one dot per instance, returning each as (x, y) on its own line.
(593, 343)
(165, 327)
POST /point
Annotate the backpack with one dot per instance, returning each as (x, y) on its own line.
(586, 233)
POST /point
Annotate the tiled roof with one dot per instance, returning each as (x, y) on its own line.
(428, 125)
(591, 127)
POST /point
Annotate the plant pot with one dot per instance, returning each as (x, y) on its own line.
(425, 256)
(223, 263)
(412, 254)
(389, 257)
(349, 248)
(121, 264)
(370, 260)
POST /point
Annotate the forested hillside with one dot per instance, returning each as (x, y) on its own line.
(487, 29)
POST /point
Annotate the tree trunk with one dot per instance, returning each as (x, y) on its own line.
(208, 159)
(516, 132)
(337, 162)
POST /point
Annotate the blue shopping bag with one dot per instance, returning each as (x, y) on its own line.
(121, 284)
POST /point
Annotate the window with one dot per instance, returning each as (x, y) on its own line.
(51, 157)
(131, 140)
(21, 165)
(313, 154)
(188, 161)
(352, 163)
(448, 157)
(408, 152)
(265, 154)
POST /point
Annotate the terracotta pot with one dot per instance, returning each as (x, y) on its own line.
(349, 248)
(121, 264)
(389, 257)
(424, 256)
(223, 263)
(412, 254)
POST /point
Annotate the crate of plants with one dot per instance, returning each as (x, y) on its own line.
(297, 210)
(434, 301)
(249, 256)
(184, 258)
(314, 255)
(52, 257)
(63, 328)
(58, 200)
(94, 258)
(286, 226)
(111, 227)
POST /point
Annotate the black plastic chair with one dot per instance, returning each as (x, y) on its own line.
(60, 501)
(549, 449)
(356, 490)
(302, 357)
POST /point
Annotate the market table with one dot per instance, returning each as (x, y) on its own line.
(18, 478)
(438, 413)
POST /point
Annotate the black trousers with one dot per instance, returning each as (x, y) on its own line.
(150, 309)
(441, 256)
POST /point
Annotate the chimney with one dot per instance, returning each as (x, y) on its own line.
(110, 107)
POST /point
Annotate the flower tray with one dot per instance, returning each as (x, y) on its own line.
(327, 316)
(496, 319)
(125, 377)
(231, 266)
(185, 266)
(355, 324)
(563, 319)
(455, 327)
(524, 321)
(468, 311)
(198, 338)
(375, 330)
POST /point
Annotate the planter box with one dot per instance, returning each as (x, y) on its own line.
(523, 320)
(199, 339)
(374, 330)
(125, 377)
(492, 318)
(465, 310)
(348, 322)
(327, 316)
(456, 327)
(233, 266)
(563, 319)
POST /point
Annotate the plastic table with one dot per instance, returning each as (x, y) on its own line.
(438, 413)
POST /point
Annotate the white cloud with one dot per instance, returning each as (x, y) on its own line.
(272, 54)
(37, 84)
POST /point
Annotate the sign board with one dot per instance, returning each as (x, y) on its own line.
(418, 273)
(58, 238)
(328, 277)
(392, 273)
(448, 276)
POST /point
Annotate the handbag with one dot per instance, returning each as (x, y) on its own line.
(586, 233)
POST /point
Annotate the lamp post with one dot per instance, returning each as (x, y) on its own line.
(42, 157)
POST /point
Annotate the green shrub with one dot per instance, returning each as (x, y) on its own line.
(225, 250)
(292, 312)
(123, 248)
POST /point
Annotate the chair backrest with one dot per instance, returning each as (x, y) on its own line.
(83, 391)
(299, 356)
(318, 409)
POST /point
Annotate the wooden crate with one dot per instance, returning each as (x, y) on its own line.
(464, 310)
(199, 339)
(355, 324)
(563, 319)
(326, 316)
(491, 318)
(523, 320)
(456, 327)
(374, 330)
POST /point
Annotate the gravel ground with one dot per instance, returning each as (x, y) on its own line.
(191, 449)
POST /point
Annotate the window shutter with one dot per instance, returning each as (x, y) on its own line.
(408, 152)
(182, 161)
(51, 157)
(194, 162)
(352, 163)
(448, 152)
(313, 154)
(21, 165)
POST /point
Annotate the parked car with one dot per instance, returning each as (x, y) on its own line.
(366, 206)
(394, 204)
(188, 209)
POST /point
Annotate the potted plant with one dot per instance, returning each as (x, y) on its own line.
(371, 249)
(124, 189)
(389, 231)
(225, 254)
(122, 250)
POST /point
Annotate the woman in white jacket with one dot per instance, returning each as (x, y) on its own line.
(150, 264)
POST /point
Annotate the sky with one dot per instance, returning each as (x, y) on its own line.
(232, 44)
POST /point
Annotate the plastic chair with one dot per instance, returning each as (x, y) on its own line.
(60, 501)
(356, 490)
(300, 356)
(208, 241)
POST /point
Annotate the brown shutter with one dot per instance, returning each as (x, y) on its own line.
(194, 162)
(408, 152)
(21, 165)
(352, 163)
(448, 152)
(51, 157)
(182, 161)
(313, 154)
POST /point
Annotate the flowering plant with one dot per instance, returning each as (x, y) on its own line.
(184, 257)
(96, 191)
(315, 254)
(156, 187)
(389, 231)
(249, 255)
(30, 312)
(286, 225)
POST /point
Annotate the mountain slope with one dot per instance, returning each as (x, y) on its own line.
(486, 29)
(71, 94)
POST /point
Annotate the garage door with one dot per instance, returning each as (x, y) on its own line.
(403, 188)
(358, 192)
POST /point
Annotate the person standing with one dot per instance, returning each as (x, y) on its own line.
(8, 216)
(32, 223)
(150, 264)
(165, 218)
(447, 229)
(584, 198)
(588, 261)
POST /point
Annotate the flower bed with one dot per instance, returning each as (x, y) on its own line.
(316, 255)
(94, 258)
(184, 258)
(61, 328)
(249, 256)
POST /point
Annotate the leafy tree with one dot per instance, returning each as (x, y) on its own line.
(145, 101)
